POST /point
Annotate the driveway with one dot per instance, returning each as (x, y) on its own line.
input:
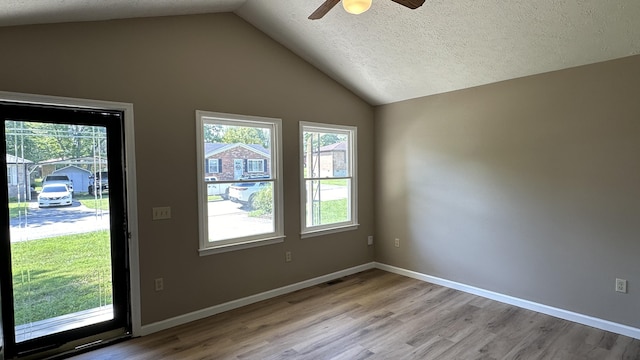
(333, 192)
(49, 222)
(228, 220)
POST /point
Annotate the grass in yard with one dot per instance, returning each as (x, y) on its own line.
(92, 202)
(61, 275)
(333, 211)
(336, 182)
(16, 209)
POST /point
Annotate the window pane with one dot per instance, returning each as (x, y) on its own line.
(237, 152)
(328, 179)
(241, 193)
(326, 154)
(213, 166)
(254, 165)
(328, 201)
(248, 211)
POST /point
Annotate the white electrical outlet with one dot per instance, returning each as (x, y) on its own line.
(159, 284)
(287, 256)
(370, 240)
(621, 285)
(396, 242)
(161, 213)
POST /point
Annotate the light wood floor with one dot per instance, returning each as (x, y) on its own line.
(376, 315)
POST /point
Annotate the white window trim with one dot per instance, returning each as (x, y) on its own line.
(277, 236)
(312, 231)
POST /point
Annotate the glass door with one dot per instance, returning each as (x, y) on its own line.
(64, 264)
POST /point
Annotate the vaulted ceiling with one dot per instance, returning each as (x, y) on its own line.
(391, 53)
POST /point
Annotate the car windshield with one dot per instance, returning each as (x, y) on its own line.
(49, 189)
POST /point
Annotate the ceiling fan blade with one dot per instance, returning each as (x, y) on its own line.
(411, 4)
(324, 9)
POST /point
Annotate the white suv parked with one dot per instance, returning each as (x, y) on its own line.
(245, 192)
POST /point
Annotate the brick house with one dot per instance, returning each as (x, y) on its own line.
(330, 160)
(228, 162)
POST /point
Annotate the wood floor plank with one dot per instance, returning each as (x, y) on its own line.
(376, 315)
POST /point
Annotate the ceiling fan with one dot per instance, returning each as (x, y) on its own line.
(357, 6)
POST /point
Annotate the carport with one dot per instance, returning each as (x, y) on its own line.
(79, 177)
(78, 170)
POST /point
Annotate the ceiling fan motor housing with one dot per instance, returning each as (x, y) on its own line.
(356, 6)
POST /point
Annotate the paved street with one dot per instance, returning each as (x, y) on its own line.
(332, 192)
(56, 221)
(229, 219)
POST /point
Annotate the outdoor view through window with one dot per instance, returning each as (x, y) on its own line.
(59, 227)
(327, 176)
(239, 173)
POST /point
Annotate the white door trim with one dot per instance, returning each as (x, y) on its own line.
(130, 178)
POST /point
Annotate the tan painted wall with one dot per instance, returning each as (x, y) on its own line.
(168, 68)
(529, 187)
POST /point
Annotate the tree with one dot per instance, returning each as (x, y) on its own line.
(213, 133)
(328, 139)
(37, 141)
(322, 139)
(245, 135)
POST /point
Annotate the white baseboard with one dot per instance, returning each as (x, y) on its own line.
(234, 304)
(525, 304)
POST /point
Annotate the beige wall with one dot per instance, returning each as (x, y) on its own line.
(529, 187)
(168, 68)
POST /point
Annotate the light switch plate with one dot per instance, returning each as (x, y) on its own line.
(162, 213)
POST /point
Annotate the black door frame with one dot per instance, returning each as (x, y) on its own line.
(113, 120)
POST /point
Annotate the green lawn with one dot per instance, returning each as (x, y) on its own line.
(16, 209)
(337, 182)
(333, 211)
(91, 202)
(61, 275)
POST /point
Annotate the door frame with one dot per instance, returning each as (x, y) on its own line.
(238, 171)
(130, 181)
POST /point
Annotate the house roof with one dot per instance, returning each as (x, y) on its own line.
(72, 167)
(391, 53)
(88, 160)
(340, 146)
(210, 149)
(11, 159)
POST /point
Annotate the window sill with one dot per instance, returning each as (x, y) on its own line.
(240, 245)
(313, 233)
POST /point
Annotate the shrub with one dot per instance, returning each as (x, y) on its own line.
(263, 202)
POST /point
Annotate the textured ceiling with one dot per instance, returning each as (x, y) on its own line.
(391, 53)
